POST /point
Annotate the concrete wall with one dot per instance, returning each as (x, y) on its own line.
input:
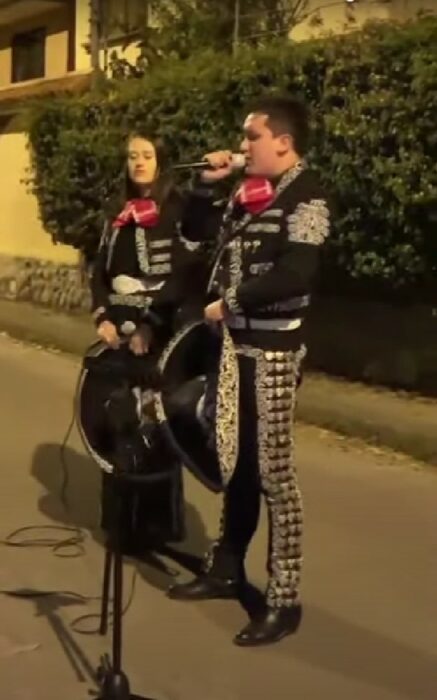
(21, 232)
(335, 17)
(405, 9)
(82, 34)
(31, 266)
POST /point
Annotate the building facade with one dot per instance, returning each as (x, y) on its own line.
(321, 17)
(44, 48)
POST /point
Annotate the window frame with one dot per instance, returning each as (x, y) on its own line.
(117, 34)
(17, 42)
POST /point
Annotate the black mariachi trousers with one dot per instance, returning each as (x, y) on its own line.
(265, 466)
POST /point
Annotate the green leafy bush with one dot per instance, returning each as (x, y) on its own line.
(374, 100)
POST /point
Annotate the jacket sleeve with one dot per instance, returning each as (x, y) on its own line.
(202, 215)
(196, 233)
(188, 264)
(293, 272)
(100, 281)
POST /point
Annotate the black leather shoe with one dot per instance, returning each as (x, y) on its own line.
(272, 626)
(205, 588)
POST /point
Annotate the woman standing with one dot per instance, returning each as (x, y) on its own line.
(141, 249)
(143, 260)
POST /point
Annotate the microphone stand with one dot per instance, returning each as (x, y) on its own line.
(114, 684)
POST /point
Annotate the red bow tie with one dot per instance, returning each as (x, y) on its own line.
(144, 212)
(255, 194)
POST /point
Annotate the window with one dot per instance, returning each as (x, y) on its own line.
(123, 18)
(28, 55)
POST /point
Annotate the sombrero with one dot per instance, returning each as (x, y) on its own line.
(195, 367)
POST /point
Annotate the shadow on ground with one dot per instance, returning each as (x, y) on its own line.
(72, 483)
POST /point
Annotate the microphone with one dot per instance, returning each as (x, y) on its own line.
(238, 162)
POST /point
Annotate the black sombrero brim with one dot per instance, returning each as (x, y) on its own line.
(183, 366)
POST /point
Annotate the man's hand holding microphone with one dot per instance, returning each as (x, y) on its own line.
(221, 165)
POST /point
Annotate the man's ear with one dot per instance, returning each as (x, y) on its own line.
(285, 144)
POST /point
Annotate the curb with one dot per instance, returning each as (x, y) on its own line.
(33, 324)
(400, 421)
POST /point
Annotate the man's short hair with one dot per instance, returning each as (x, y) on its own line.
(285, 115)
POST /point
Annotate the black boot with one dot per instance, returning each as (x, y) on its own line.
(225, 578)
(272, 626)
(205, 587)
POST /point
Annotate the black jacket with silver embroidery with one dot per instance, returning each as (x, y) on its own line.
(265, 264)
(159, 256)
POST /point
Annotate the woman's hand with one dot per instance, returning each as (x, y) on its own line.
(108, 333)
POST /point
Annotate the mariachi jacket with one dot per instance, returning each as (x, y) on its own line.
(138, 267)
(265, 264)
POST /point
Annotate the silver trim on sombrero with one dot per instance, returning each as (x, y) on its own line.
(166, 353)
(227, 423)
(103, 464)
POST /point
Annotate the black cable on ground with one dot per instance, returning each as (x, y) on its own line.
(74, 541)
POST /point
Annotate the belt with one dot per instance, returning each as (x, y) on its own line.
(140, 300)
(258, 324)
(124, 284)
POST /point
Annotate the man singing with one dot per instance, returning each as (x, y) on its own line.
(268, 248)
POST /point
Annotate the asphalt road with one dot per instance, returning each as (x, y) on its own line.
(369, 586)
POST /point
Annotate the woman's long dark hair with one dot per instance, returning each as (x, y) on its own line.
(160, 188)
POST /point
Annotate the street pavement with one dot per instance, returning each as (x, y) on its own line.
(369, 587)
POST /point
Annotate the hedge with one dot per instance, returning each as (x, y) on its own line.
(373, 95)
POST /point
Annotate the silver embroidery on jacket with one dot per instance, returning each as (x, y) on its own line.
(289, 304)
(163, 243)
(160, 269)
(235, 262)
(309, 223)
(111, 240)
(230, 297)
(252, 245)
(139, 301)
(273, 213)
(260, 268)
(263, 227)
(162, 257)
(142, 253)
(230, 228)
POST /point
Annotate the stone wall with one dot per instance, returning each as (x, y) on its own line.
(51, 284)
(371, 342)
